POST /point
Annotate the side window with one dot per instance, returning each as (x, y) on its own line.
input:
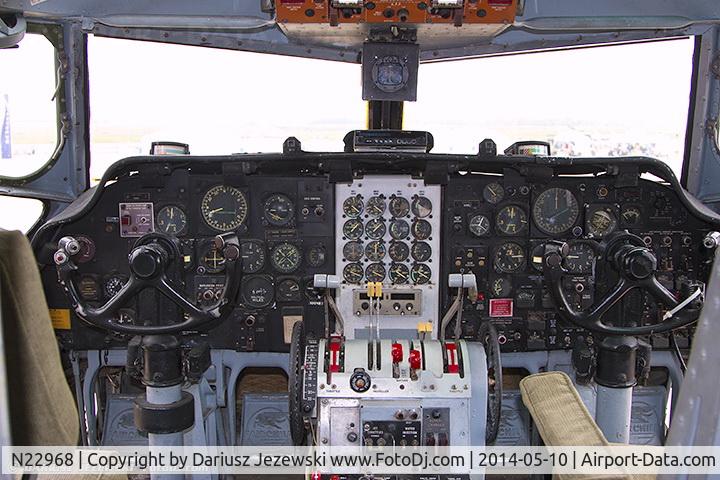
(28, 115)
(19, 213)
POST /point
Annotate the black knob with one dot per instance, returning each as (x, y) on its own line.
(146, 261)
(640, 263)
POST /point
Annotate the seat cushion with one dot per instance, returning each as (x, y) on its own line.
(42, 408)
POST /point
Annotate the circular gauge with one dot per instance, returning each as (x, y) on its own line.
(288, 290)
(253, 255)
(375, 272)
(285, 258)
(375, 251)
(493, 193)
(500, 287)
(399, 251)
(87, 249)
(479, 225)
(353, 206)
(113, 284)
(375, 228)
(509, 258)
(316, 256)
(353, 251)
(224, 208)
(257, 291)
(538, 257)
(353, 273)
(212, 259)
(601, 222)
(279, 210)
(353, 229)
(399, 229)
(630, 215)
(421, 207)
(88, 287)
(399, 207)
(511, 220)
(171, 220)
(421, 229)
(420, 273)
(421, 251)
(375, 206)
(580, 258)
(556, 210)
(399, 273)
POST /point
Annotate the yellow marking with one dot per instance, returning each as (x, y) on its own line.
(424, 327)
(60, 318)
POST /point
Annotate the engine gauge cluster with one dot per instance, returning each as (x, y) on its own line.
(388, 231)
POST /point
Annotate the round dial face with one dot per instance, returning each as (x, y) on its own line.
(555, 211)
(224, 208)
(353, 251)
(353, 206)
(399, 229)
(285, 258)
(375, 272)
(421, 251)
(399, 273)
(288, 290)
(479, 225)
(509, 258)
(399, 251)
(375, 228)
(493, 193)
(421, 229)
(420, 273)
(375, 206)
(258, 291)
(113, 285)
(511, 220)
(601, 222)
(316, 256)
(353, 229)
(399, 207)
(253, 255)
(353, 273)
(279, 210)
(375, 251)
(580, 258)
(171, 220)
(631, 215)
(212, 259)
(421, 207)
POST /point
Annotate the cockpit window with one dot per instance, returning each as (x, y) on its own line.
(28, 115)
(217, 101)
(602, 101)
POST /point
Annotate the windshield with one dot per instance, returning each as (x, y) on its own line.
(603, 101)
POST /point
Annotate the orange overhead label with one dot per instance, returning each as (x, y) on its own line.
(60, 318)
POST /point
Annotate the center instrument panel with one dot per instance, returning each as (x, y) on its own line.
(390, 224)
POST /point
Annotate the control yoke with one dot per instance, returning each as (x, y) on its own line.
(149, 261)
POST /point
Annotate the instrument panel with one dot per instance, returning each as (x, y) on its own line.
(402, 229)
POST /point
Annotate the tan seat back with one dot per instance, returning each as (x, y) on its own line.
(42, 408)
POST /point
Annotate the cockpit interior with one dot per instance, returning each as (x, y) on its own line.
(383, 294)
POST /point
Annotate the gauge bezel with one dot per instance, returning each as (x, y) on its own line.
(354, 236)
(541, 219)
(282, 222)
(374, 265)
(347, 202)
(404, 210)
(394, 244)
(286, 298)
(353, 258)
(263, 254)
(470, 225)
(497, 264)
(183, 231)
(271, 291)
(372, 204)
(294, 266)
(416, 201)
(421, 259)
(487, 193)
(420, 266)
(524, 224)
(379, 254)
(426, 233)
(347, 268)
(403, 224)
(402, 266)
(239, 216)
(374, 235)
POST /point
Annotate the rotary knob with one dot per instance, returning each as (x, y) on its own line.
(360, 381)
